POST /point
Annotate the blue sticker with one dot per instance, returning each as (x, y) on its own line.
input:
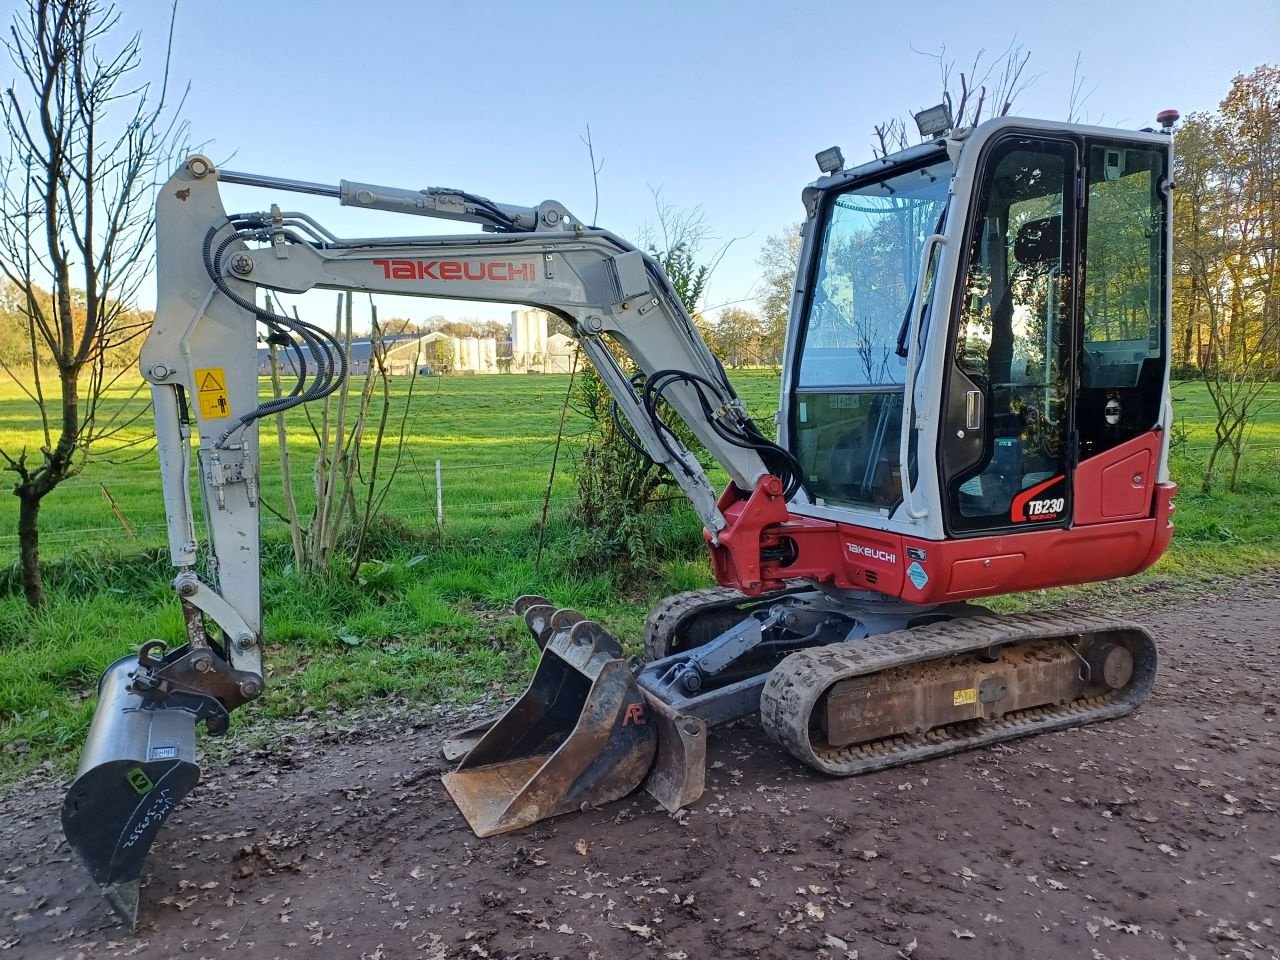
(917, 575)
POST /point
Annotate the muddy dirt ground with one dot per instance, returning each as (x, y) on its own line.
(1157, 835)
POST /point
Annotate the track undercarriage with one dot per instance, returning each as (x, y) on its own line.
(846, 685)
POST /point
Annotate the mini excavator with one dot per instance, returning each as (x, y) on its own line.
(974, 402)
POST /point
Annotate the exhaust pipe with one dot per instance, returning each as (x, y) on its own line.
(138, 763)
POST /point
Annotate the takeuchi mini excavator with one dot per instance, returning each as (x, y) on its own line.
(974, 402)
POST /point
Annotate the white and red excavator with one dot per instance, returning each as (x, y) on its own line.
(974, 402)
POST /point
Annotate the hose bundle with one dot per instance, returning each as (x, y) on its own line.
(326, 351)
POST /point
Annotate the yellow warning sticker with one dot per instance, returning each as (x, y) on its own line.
(211, 389)
(961, 697)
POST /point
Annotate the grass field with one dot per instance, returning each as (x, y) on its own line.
(427, 617)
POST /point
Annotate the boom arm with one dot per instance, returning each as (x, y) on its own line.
(202, 362)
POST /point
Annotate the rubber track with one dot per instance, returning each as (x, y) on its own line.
(796, 685)
(671, 614)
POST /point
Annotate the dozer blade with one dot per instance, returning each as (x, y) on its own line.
(137, 765)
(580, 736)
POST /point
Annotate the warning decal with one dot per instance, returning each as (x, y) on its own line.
(211, 389)
(960, 698)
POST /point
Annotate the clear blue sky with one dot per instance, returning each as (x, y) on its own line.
(719, 104)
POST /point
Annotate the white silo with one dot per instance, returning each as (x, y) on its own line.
(538, 330)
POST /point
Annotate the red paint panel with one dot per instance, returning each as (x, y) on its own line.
(981, 575)
(1031, 561)
(873, 559)
(1117, 484)
(932, 571)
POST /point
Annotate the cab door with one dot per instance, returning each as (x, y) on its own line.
(1006, 447)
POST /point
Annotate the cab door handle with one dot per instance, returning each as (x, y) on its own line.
(973, 410)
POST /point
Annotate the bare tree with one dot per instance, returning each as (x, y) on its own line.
(86, 140)
(988, 88)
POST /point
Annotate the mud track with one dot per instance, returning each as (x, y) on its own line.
(1157, 835)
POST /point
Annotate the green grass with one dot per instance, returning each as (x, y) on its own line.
(427, 620)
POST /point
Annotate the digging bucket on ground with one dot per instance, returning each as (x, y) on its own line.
(580, 736)
(137, 766)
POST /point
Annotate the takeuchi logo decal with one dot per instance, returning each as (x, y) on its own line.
(872, 553)
(501, 271)
(1032, 505)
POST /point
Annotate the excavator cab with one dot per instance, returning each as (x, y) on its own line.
(1013, 305)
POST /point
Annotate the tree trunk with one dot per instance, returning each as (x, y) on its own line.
(1236, 454)
(29, 549)
(1206, 486)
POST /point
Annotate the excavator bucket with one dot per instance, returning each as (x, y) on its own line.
(137, 765)
(538, 613)
(580, 735)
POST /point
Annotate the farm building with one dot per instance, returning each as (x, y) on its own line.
(426, 352)
(357, 358)
(530, 350)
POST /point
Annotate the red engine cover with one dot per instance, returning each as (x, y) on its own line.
(1122, 525)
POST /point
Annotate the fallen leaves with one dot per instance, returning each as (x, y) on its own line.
(838, 943)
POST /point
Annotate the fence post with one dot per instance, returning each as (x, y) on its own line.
(439, 498)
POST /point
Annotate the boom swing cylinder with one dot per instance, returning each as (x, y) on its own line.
(974, 402)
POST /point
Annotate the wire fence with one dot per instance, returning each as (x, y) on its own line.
(120, 484)
(117, 485)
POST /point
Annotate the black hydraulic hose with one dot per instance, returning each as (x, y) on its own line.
(330, 358)
(489, 207)
(324, 346)
(632, 440)
(780, 462)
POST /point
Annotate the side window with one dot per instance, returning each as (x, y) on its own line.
(1004, 446)
(1122, 355)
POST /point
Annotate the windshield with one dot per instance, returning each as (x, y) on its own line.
(846, 411)
(866, 275)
